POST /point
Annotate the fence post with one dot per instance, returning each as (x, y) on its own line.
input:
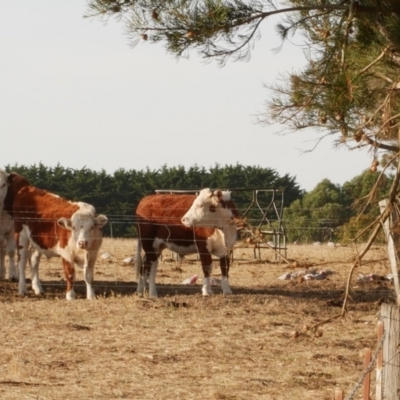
(367, 380)
(392, 251)
(379, 363)
(338, 394)
(390, 316)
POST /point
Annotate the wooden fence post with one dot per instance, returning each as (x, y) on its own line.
(367, 379)
(379, 363)
(392, 251)
(390, 315)
(338, 394)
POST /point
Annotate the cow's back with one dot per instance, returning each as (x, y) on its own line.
(164, 208)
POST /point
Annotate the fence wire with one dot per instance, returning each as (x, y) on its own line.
(367, 370)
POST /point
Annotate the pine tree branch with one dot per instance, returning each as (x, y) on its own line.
(375, 61)
(379, 145)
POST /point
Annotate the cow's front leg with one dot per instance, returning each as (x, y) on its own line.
(2, 259)
(12, 268)
(70, 278)
(88, 270)
(34, 263)
(206, 263)
(224, 265)
(22, 257)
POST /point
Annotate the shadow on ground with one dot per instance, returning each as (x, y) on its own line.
(376, 293)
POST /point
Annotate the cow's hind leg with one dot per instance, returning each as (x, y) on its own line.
(224, 265)
(152, 278)
(34, 264)
(2, 260)
(141, 276)
(148, 271)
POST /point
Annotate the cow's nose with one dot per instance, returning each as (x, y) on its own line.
(82, 244)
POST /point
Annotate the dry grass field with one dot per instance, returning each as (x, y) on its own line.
(184, 346)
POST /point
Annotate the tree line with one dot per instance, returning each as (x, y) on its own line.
(328, 212)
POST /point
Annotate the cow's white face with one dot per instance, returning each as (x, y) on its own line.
(3, 186)
(209, 209)
(84, 227)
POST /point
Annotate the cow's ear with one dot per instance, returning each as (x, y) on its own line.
(101, 220)
(12, 177)
(65, 223)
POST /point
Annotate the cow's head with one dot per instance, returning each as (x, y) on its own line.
(210, 209)
(85, 228)
(3, 186)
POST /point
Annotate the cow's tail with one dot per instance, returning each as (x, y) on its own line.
(138, 259)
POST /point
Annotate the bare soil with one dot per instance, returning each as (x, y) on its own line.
(253, 344)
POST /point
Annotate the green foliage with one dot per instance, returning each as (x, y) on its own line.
(332, 212)
(329, 212)
(182, 25)
(317, 215)
(346, 88)
(366, 191)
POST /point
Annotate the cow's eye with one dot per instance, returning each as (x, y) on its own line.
(199, 206)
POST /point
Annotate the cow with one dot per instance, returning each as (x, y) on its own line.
(47, 224)
(3, 186)
(7, 241)
(7, 246)
(186, 224)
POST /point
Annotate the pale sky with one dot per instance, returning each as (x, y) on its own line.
(73, 92)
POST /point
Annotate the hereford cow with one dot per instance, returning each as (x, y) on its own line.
(46, 224)
(7, 247)
(3, 186)
(7, 241)
(185, 224)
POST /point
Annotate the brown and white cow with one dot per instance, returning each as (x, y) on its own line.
(3, 186)
(7, 241)
(7, 247)
(186, 224)
(46, 224)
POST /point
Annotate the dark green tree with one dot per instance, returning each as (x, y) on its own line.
(117, 195)
(318, 214)
(365, 191)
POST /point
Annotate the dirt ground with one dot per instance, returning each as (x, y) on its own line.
(186, 346)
